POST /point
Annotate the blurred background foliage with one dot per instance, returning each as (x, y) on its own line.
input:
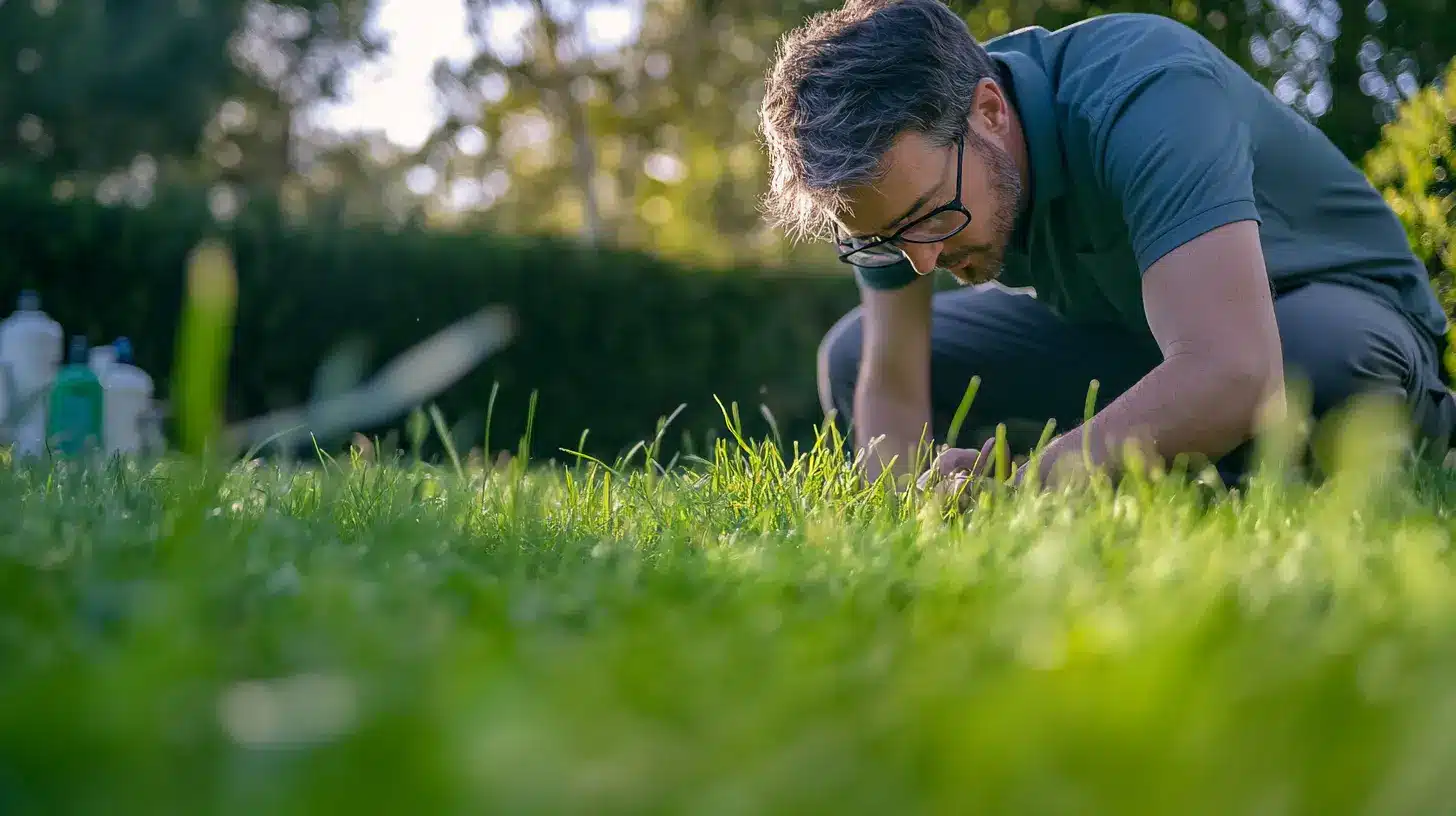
(614, 126)
(1413, 166)
(628, 122)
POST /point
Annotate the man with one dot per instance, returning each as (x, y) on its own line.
(1191, 242)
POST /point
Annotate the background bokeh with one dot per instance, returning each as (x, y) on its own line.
(383, 167)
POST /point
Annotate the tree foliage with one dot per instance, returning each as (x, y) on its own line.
(1413, 168)
(208, 88)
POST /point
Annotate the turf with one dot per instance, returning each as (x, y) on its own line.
(743, 634)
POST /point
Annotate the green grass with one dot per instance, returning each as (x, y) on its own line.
(753, 633)
(732, 636)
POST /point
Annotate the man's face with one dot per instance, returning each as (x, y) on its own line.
(921, 177)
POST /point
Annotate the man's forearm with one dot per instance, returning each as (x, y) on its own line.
(1184, 406)
(889, 425)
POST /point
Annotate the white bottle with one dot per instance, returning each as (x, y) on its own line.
(30, 351)
(101, 360)
(128, 398)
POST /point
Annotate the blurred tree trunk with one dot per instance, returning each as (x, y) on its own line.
(557, 74)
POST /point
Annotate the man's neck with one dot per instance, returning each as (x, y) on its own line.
(1018, 135)
(1021, 157)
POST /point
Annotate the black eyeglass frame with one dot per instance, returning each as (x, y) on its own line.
(954, 205)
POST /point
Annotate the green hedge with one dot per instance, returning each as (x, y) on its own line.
(611, 341)
(1414, 166)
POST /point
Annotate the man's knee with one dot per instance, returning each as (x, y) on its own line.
(837, 365)
(1343, 347)
(1342, 344)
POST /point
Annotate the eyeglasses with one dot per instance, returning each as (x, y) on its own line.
(936, 226)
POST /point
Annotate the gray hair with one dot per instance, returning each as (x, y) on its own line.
(844, 85)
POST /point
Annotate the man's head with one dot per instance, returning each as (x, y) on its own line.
(865, 113)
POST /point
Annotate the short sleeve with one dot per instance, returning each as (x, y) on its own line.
(1173, 148)
(886, 278)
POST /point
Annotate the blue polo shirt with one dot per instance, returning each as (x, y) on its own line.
(1142, 136)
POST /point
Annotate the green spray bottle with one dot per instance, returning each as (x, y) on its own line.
(77, 411)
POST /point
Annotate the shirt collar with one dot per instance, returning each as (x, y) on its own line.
(1031, 96)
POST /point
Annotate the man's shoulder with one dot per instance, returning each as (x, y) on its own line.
(1103, 35)
(1092, 61)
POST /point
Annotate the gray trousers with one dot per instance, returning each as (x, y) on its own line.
(1340, 341)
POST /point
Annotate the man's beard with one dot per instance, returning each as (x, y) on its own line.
(1006, 186)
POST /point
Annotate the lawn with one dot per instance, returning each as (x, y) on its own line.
(737, 635)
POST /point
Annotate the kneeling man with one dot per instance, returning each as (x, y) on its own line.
(1123, 202)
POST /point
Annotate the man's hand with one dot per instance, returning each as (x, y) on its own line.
(959, 473)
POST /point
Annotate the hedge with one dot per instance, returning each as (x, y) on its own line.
(611, 342)
(1414, 166)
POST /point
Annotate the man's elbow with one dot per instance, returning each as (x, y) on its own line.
(1247, 385)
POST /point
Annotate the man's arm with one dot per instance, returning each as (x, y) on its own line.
(1172, 147)
(892, 392)
(1209, 306)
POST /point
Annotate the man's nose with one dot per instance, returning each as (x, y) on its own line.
(923, 256)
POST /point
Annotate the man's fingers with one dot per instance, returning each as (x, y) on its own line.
(985, 460)
(960, 473)
(961, 466)
(956, 460)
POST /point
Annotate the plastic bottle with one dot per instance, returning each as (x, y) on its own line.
(128, 400)
(102, 359)
(30, 353)
(77, 406)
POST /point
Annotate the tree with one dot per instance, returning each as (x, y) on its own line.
(88, 87)
(634, 128)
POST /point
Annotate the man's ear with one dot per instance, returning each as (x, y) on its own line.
(990, 110)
